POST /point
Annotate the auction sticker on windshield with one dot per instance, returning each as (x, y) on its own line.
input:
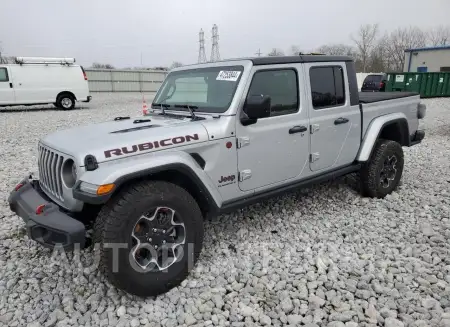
(228, 75)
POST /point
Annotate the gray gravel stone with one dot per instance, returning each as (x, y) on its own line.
(294, 320)
(265, 320)
(392, 322)
(336, 324)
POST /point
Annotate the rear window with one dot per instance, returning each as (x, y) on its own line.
(373, 78)
(327, 86)
(3, 75)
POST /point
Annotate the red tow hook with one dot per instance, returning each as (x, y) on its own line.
(18, 187)
(40, 209)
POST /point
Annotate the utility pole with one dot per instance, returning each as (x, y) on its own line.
(201, 50)
(258, 53)
(215, 54)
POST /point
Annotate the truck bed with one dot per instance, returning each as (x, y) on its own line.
(371, 97)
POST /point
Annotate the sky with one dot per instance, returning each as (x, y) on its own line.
(161, 31)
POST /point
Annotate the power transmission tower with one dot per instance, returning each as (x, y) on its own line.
(201, 50)
(215, 54)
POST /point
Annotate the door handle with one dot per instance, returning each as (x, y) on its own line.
(10, 85)
(340, 121)
(298, 129)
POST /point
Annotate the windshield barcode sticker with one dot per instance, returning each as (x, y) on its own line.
(225, 75)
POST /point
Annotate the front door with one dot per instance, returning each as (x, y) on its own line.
(275, 148)
(335, 123)
(6, 87)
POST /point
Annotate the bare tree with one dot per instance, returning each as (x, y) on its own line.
(337, 50)
(176, 64)
(365, 40)
(102, 66)
(276, 53)
(400, 40)
(294, 50)
(439, 35)
(2, 61)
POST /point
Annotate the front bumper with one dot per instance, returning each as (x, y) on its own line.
(52, 227)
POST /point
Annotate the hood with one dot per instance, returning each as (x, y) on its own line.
(118, 139)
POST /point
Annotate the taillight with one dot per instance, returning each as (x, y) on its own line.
(84, 74)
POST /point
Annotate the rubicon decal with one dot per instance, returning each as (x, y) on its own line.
(151, 145)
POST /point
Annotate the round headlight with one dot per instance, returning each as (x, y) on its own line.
(69, 173)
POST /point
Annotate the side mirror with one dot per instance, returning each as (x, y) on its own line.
(257, 106)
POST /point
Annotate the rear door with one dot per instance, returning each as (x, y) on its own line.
(6, 87)
(335, 124)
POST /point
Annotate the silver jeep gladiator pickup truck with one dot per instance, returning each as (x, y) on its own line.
(219, 136)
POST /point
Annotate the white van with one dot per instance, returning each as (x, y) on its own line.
(34, 80)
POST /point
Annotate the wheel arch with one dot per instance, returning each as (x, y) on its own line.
(178, 174)
(60, 94)
(390, 127)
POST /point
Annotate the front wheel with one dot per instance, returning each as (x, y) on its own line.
(150, 236)
(382, 173)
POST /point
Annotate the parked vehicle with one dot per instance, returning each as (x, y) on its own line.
(32, 81)
(374, 83)
(218, 136)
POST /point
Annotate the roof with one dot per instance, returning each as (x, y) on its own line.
(442, 47)
(298, 59)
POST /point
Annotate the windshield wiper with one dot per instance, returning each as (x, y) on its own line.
(190, 108)
(162, 105)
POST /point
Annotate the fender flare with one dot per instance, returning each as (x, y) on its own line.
(185, 165)
(373, 132)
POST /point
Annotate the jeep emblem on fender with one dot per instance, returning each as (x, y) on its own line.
(224, 179)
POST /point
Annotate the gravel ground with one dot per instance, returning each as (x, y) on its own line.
(321, 256)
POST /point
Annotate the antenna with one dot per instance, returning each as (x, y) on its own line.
(215, 54)
(201, 50)
(1, 58)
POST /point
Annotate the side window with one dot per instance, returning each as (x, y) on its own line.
(327, 86)
(281, 86)
(3, 75)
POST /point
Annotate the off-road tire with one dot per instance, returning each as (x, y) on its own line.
(117, 219)
(370, 171)
(60, 101)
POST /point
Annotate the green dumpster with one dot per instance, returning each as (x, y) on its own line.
(427, 84)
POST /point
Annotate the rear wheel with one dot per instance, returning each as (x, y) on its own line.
(150, 236)
(382, 173)
(65, 102)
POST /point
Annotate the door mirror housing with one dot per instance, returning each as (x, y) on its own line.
(257, 106)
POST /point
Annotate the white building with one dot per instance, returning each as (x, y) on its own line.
(433, 59)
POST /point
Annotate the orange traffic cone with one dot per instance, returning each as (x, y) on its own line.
(144, 107)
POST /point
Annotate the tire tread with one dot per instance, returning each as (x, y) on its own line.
(114, 213)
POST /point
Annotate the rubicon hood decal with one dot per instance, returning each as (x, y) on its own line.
(177, 140)
(100, 140)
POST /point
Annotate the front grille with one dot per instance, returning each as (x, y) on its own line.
(50, 168)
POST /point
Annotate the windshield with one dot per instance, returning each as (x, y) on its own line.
(205, 89)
